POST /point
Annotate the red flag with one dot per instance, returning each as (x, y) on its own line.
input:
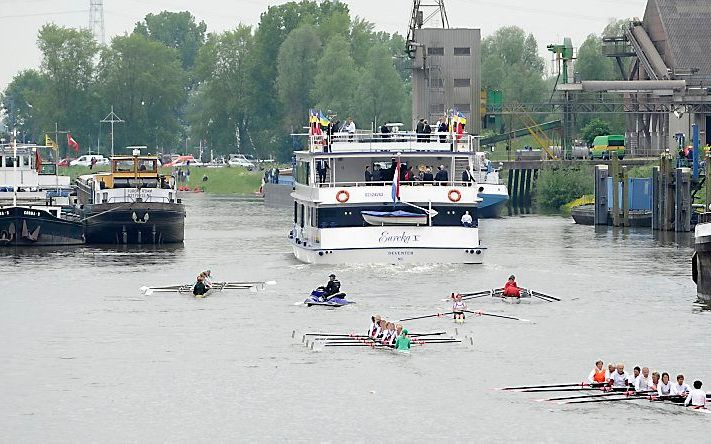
(72, 143)
(38, 161)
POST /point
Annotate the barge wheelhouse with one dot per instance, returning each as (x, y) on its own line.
(397, 217)
(132, 204)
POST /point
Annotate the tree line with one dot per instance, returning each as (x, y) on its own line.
(247, 89)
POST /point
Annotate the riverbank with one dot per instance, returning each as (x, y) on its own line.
(232, 180)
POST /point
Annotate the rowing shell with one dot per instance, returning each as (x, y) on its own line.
(216, 287)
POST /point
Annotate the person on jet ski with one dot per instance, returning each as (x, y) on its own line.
(332, 288)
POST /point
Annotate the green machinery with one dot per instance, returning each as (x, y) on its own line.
(564, 57)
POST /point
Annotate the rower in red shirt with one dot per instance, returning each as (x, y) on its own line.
(511, 289)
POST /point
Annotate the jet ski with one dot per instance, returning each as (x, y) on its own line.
(318, 297)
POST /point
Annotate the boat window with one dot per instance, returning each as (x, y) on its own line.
(9, 161)
(123, 166)
(303, 172)
(301, 219)
(26, 161)
(147, 165)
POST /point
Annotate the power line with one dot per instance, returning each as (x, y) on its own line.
(44, 14)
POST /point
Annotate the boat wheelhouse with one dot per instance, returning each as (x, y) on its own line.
(418, 216)
(131, 204)
(35, 203)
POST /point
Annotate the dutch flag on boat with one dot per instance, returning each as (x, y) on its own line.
(396, 183)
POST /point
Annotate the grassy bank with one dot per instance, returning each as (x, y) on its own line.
(219, 180)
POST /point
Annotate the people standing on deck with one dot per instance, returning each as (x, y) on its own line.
(664, 386)
(377, 173)
(368, 176)
(322, 168)
(467, 177)
(599, 374)
(427, 131)
(385, 131)
(419, 129)
(619, 378)
(350, 128)
(427, 176)
(458, 307)
(643, 382)
(680, 388)
(696, 397)
(442, 174)
(442, 129)
(467, 220)
(403, 342)
(409, 175)
(511, 288)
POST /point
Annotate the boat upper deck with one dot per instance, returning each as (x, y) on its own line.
(395, 142)
(26, 168)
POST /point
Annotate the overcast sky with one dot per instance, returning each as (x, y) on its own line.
(548, 20)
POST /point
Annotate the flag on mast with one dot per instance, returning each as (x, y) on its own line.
(396, 183)
(72, 143)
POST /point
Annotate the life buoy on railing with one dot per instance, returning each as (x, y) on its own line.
(343, 196)
(454, 195)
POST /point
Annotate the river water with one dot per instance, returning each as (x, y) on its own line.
(86, 357)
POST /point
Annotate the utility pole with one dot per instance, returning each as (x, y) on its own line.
(112, 118)
(96, 20)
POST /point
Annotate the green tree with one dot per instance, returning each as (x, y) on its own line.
(594, 128)
(296, 64)
(19, 100)
(178, 30)
(510, 62)
(144, 81)
(219, 111)
(380, 93)
(336, 78)
(68, 68)
(557, 187)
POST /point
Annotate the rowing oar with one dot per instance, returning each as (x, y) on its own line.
(436, 333)
(526, 387)
(545, 297)
(600, 395)
(626, 398)
(436, 315)
(466, 296)
(481, 313)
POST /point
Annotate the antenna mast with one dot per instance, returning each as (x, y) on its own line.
(96, 20)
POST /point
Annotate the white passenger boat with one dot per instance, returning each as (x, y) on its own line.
(341, 218)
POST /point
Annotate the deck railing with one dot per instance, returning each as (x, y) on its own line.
(401, 141)
(447, 183)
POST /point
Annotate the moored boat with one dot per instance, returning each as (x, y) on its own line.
(35, 202)
(131, 204)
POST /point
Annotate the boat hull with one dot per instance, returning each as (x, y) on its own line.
(135, 223)
(701, 261)
(491, 204)
(394, 255)
(20, 227)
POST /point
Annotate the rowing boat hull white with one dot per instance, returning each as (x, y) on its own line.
(396, 255)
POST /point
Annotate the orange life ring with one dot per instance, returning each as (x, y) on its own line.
(343, 196)
(454, 195)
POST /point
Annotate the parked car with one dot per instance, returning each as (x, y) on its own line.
(64, 162)
(86, 160)
(182, 161)
(240, 160)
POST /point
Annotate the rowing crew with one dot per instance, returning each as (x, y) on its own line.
(388, 333)
(641, 381)
(203, 284)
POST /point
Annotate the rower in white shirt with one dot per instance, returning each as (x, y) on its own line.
(643, 382)
(655, 381)
(374, 325)
(664, 386)
(620, 378)
(697, 397)
(680, 388)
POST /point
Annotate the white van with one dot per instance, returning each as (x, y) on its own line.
(86, 160)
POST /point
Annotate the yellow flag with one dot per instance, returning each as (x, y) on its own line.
(50, 143)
